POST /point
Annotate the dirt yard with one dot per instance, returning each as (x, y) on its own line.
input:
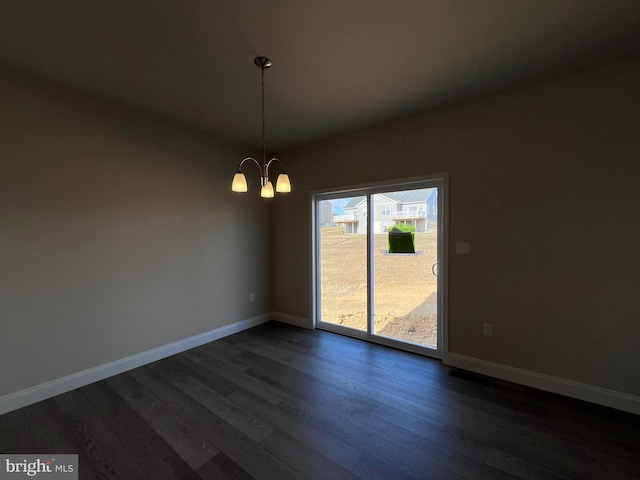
(405, 303)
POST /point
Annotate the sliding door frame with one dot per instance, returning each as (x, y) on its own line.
(439, 180)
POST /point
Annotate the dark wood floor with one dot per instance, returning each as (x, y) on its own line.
(278, 402)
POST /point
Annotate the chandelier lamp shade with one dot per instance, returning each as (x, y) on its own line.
(283, 185)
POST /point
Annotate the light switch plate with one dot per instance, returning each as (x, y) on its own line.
(462, 248)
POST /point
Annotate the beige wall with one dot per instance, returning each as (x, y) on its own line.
(118, 233)
(545, 185)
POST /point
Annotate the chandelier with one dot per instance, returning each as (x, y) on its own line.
(283, 185)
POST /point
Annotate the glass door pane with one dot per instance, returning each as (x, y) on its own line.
(342, 261)
(405, 256)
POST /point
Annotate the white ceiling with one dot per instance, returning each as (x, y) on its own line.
(339, 65)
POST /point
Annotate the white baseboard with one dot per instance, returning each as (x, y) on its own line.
(291, 320)
(569, 388)
(46, 390)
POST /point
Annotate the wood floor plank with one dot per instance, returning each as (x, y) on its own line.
(370, 468)
(285, 375)
(107, 456)
(4, 433)
(247, 382)
(223, 348)
(248, 341)
(154, 455)
(434, 432)
(193, 447)
(252, 457)
(49, 431)
(278, 340)
(16, 435)
(303, 459)
(250, 425)
(222, 353)
(401, 459)
(306, 433)
(447, 458)
(593, 419)
(221, 467)
(291, 375)
(587, 455)
(554, 461)
(192, 411)
(587, 434)
(313, 393)
(179, 367)
(51, 434)
(521, 468)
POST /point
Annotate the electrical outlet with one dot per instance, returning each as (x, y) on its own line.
(252, 297)
(488, 329)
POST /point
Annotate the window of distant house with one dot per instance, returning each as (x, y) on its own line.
(364, 211)
(385, 210)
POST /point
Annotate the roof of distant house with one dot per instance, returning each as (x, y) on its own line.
(407, 196)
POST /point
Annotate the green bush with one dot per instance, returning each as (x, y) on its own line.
(402, 238)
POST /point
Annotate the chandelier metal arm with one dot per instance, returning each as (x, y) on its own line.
(264, 176)
(254, 160)
(274, 159)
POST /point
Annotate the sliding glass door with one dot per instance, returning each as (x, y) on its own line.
(378, 263)
(405, 287)
(342, 242)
